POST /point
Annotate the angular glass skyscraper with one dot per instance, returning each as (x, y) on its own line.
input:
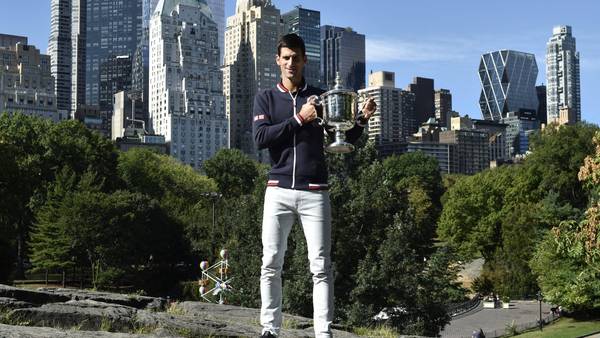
(562, 74)
(508, 83)
(343, 51)
(306, 23)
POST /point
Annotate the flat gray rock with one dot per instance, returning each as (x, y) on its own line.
(86, 315)
(53, 312)
(7, 304)
(30, 296)
(10, 331)
(138, 302)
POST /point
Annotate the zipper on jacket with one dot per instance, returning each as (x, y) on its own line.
(294, 165)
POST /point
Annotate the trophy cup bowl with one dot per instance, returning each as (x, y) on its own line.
(339, 111)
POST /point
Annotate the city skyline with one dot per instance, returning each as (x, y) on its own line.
(400, 39)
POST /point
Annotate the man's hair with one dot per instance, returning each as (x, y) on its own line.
(291, 41)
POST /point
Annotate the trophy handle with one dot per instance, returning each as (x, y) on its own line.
(317, 101)
(363, 97)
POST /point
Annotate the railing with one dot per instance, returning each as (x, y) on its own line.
(518, 328)
(457, 309)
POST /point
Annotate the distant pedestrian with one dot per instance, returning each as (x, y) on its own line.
(478, 334)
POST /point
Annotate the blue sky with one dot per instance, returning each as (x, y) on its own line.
(442, 40)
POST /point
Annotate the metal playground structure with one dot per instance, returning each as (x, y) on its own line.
(215, 282)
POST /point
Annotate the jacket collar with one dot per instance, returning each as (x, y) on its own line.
(282, 88)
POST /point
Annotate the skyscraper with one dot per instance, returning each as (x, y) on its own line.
(542, 111)
(343, 51)
(217, 7)
(101, 30)
(115, 76)
(395, 113)
(250, 46)
(562, 74)
(472, 146)
(306, 23)
(186, 94)
(424, 100)
(443, 106)
(520, 125)
(26, 84)
(59, 49)
(508, 83)
(141, 58)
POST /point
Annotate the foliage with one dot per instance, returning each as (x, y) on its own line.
(233, 171)
(557, 154)
(116, 235)
(38, 150)
(384, 221)
(572, 248)
(502, 214)
(181, 192)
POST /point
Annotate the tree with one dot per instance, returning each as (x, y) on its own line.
(557, 154)
(572, 250)
(471, 218)
(384, 221)
(233, 171)
(49, 244)
(9, 173)
(40, 149)
(181, 192)
(411, 289)
(117, 235)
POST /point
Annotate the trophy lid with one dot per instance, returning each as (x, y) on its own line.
(338, 81)
(339, 89)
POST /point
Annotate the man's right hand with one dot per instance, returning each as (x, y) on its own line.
(308, 112)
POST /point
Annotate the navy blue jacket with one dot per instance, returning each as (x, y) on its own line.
(295, 148)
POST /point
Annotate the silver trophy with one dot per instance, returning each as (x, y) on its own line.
(339, 111)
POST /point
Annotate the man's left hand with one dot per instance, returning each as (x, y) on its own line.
(369, 108)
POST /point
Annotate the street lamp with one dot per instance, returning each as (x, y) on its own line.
(213, 197)
(539, 295)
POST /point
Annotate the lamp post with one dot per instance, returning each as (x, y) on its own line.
(539, 295)
(213, 197)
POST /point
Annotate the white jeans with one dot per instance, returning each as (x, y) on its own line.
(314, 211)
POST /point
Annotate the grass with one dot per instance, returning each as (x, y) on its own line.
(565, 327)
(381, 331)
(174, 309)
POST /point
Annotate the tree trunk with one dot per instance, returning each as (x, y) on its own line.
(64, 277)
(46, 275)
(20, 270)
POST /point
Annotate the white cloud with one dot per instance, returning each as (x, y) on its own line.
(391, 50)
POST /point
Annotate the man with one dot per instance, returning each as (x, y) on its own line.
(284, 122)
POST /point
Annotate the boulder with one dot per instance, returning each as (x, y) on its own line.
(30, 296)
(11, 331)
(67, 313)
(86, 315)
(136, 301)
(7, 304)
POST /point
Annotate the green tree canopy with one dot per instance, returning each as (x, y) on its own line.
(233, 171)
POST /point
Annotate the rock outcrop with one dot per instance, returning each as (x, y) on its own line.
(69, 313)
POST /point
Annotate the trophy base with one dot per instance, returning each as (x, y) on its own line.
(340, 147)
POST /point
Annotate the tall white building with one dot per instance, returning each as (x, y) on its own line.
(186, 98)
(562, 75)
(250, 47)
(395, 110)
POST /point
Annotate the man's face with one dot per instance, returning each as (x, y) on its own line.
(291, 63)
